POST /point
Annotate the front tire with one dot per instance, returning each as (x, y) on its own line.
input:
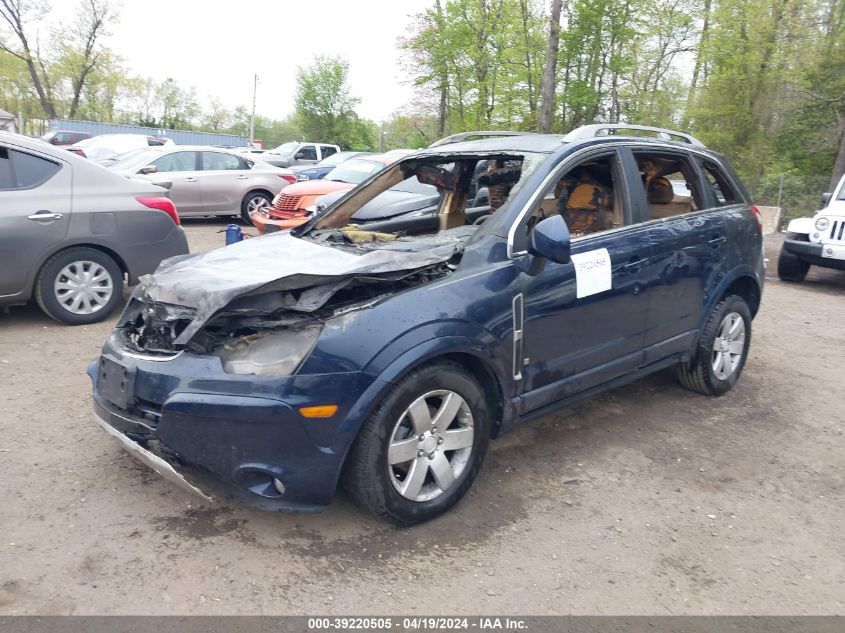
(421, 449)
(79, 286)
(722, 349)
(790, 266)
(253, 201)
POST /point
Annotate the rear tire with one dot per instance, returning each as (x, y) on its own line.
(80, 273)
(722, 349)
(790, 266)
(252, 202)
(401, 467)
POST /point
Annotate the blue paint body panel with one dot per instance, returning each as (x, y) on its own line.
(240, 431)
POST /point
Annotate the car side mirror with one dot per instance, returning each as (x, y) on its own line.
(299, 156)
(550, 240)
(826, 199)
(149, 169)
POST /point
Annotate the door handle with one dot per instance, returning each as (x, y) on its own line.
(241, 177)
(45, 216)
(190, 179)
(717, 240)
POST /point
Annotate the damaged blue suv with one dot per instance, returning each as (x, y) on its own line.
(277, 368)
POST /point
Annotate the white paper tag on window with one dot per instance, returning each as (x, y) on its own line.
(592, 272)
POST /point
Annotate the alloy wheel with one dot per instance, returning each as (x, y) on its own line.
(255, 203)
(430, 445)
(728, 346)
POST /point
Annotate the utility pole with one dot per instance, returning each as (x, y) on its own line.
(252, 118)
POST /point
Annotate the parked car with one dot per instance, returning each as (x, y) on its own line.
(275, 368)
(319, 170)
(294, 205)
(109, 146)
(816, 241)
(64, 137)
(208, 181)
(71, 231)
(295, 153)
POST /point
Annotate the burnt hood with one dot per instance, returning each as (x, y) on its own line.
(208, 282)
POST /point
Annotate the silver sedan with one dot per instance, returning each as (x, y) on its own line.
(208, 180)
(71, 231)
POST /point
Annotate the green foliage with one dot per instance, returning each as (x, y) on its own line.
(324, 105)
(762, 81)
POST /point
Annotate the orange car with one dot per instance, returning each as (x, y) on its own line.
(294, 205)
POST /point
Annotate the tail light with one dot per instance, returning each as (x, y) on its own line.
(291, 178)
(757, 216)
(162, 204)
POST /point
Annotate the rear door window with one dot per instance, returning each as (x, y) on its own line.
(19, 170)
(669, 182)
(217, 161)
(327, 150)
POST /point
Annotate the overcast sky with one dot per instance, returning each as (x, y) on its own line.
(217, 46)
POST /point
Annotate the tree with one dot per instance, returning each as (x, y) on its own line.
(60, 71)
(217, 116)
(178, 106)
(324, 104)
(547, 90)
(16, 14)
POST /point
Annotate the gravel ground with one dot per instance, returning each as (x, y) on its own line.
(645, 500)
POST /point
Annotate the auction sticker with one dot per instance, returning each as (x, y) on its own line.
(592, 272)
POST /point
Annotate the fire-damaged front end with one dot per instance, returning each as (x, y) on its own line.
(232, 371)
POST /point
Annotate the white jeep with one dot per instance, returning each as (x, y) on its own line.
(816, 241)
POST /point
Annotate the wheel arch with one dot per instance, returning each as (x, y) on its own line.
(476, 359)
(746, 287)
(263, 190)
(481, 366)
(121, 263)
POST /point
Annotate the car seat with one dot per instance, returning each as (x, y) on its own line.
(588, 208)
(662, 202)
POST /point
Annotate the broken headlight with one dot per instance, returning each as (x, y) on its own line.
(272, 354)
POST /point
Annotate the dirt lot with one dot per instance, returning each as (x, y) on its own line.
(646, 500)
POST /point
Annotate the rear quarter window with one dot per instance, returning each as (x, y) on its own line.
(19, 170)
(720, 185)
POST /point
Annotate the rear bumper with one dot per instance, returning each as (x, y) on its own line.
(811, 253)
(142, 259)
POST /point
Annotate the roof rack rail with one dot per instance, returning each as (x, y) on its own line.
(595, 129)
(463, 136)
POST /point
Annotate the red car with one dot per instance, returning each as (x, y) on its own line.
(295, 204)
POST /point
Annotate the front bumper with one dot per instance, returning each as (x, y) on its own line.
(266, 224)
(149, 458)
(217, 434)
(814, 253)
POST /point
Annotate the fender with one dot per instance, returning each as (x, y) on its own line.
(736, 273)
(800, 225)
(422, 352)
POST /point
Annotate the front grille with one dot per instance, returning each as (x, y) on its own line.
(837, 231)
(287, 202)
